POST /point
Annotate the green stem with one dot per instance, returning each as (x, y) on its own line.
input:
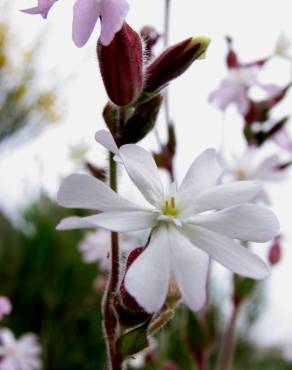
(228, 345)
(110, 322)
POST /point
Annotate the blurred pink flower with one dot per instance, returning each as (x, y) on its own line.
(283, 139)
(5, 306)
(235, 87)
(95, 247)
(112, 14)
(42, 8)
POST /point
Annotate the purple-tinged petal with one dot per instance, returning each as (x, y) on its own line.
(42, 8)
(5, 306)
(85, 15)
(283, 140)
(113, 14)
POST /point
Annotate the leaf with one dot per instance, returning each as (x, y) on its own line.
(133, 341)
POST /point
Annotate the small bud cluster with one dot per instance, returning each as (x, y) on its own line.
(134, 89)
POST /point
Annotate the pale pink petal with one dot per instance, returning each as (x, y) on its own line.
(5, 306)
(42, 8)
(84, 191)
(203, 173)
(143, 171)
(283, 139)
(113, 14)
(227, 195)
(123, 221)
(85, 15)
(139, 165)
(248, 222)
(148, 277)
(106, 139)
(227, 252)
(190, 267)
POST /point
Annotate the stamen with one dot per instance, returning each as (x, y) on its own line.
(166, 205)
(172, 201)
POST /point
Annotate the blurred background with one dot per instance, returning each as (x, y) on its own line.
(51, 102)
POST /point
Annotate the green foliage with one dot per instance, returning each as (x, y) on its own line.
(52, 290)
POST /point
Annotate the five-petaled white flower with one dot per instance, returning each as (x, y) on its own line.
(184, 230)
(21, 354)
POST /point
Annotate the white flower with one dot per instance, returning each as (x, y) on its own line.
(95, 247)
(235, 87)
(21, 354)
(184, 231)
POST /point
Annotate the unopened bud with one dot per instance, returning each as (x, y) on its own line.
(121, 65)
(174, 61)
(275, 252)
(141, 122)
(127, 299)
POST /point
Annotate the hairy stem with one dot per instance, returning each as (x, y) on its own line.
(229, 341)
(110, 322)
(166, 41)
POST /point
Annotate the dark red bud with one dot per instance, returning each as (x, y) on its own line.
(121, 64)
(127, 299)
(169, 366)
(174, 61)
(275, 252)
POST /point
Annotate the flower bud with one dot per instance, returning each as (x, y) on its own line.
(174, 61)
(121, 66)
(275, 252)
(127, 299)
(141, 121)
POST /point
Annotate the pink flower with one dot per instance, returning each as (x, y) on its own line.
(282, 139)
(112, 14)
(42, 8)
(5, 306)
(234, 89)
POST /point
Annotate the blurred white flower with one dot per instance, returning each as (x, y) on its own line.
(21, 354)
(251, 166)
(184, 231)
(5, 306)
(95, 247)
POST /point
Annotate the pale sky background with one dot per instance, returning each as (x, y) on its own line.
(254, 25)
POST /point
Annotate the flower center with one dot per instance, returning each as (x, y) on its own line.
(241, 174)
(169, 208)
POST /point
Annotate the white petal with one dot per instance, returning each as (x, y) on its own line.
(190, 267)
(148, 277)
(84, 191)
(123, 221)
(248, 222)
(203, 173)
(143, 171)
(227, 195)
(227, 252)
(106, 139)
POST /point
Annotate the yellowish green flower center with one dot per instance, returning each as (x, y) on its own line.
(169, 208)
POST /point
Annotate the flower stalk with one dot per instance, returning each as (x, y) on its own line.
(228, 343)
(111, 324)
